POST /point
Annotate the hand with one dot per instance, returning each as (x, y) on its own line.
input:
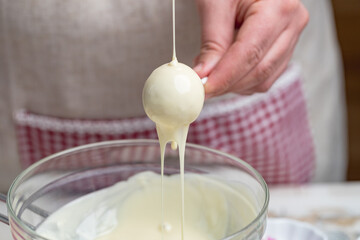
(247, 44)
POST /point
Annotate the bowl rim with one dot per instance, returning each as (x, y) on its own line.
(124, 142)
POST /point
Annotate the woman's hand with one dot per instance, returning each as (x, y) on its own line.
(247, 44)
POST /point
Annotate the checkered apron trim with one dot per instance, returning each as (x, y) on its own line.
(270, 131)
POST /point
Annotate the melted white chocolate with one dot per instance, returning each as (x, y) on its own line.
(173, 97)
(131, 210)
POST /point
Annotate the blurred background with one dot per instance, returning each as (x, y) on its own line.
(347, 17)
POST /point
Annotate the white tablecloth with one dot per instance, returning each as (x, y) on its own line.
(330, 207)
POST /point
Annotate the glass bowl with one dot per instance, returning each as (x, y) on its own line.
(63, 177)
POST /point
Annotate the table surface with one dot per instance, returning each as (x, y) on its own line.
(330, 207)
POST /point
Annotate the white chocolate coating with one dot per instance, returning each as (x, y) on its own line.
(173, 95)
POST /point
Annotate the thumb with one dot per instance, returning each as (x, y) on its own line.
(217, 33)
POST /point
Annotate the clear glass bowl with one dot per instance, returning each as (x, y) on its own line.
(58, 179)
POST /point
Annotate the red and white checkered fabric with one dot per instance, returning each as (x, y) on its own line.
(270, 131)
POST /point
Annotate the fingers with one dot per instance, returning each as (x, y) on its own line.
(260, 78)
(267, 84)
(217, 19)
(255, 37)
(262, 48)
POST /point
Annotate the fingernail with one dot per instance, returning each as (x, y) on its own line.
(204, 80)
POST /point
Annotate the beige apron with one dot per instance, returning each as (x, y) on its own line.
(89, 59)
